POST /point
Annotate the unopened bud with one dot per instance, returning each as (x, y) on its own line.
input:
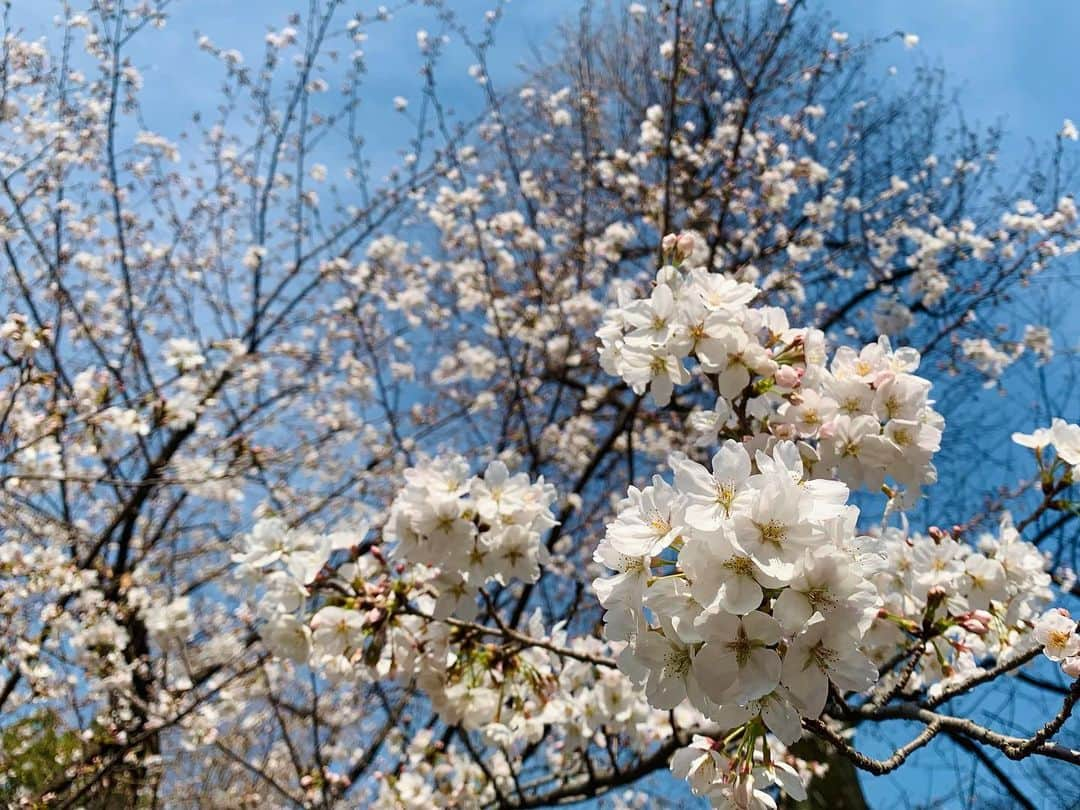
(937, 533)
(668, 242)
(787, 377)
(975, 626)
(685, 245)
(1071, 666)
(934, 597)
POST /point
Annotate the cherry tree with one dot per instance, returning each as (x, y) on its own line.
(593, 441)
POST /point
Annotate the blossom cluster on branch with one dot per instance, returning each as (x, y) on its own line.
(337, 603)
(757, 592)
(743, 594)
(866, 412)
(312, 473)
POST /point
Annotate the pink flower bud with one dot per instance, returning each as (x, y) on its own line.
(935, 596)
(668, 243)
(984, 616)
(975, 626)
(937, 533)
(1071, 666)
(787, 376)
(685, 244)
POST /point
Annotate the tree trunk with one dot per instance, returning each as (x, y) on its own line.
(837, 789)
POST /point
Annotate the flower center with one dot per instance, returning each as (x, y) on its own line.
(850, 406)
(1058, 638)
(823, 657)
(725, 495)
(820, 597)
(658, 523)
(741, 647)
(740, 566)
(773, 532)
(677, 662)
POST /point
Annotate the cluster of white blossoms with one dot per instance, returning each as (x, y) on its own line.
(516, 698)
(285, 562)
(992, 359)
(472, 530)
(955, 603)
(708, 770)
(988, 358)
(452, 533)
(434, 775)
(866, 415)
(1056, 632)
(744, 590)
(440, 774)
(18, 338)
(1061, 436)
(405, 618)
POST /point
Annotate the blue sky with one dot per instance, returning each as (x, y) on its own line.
(1012, 59)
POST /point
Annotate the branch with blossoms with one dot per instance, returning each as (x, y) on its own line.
(743, 598)
(218, 347)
